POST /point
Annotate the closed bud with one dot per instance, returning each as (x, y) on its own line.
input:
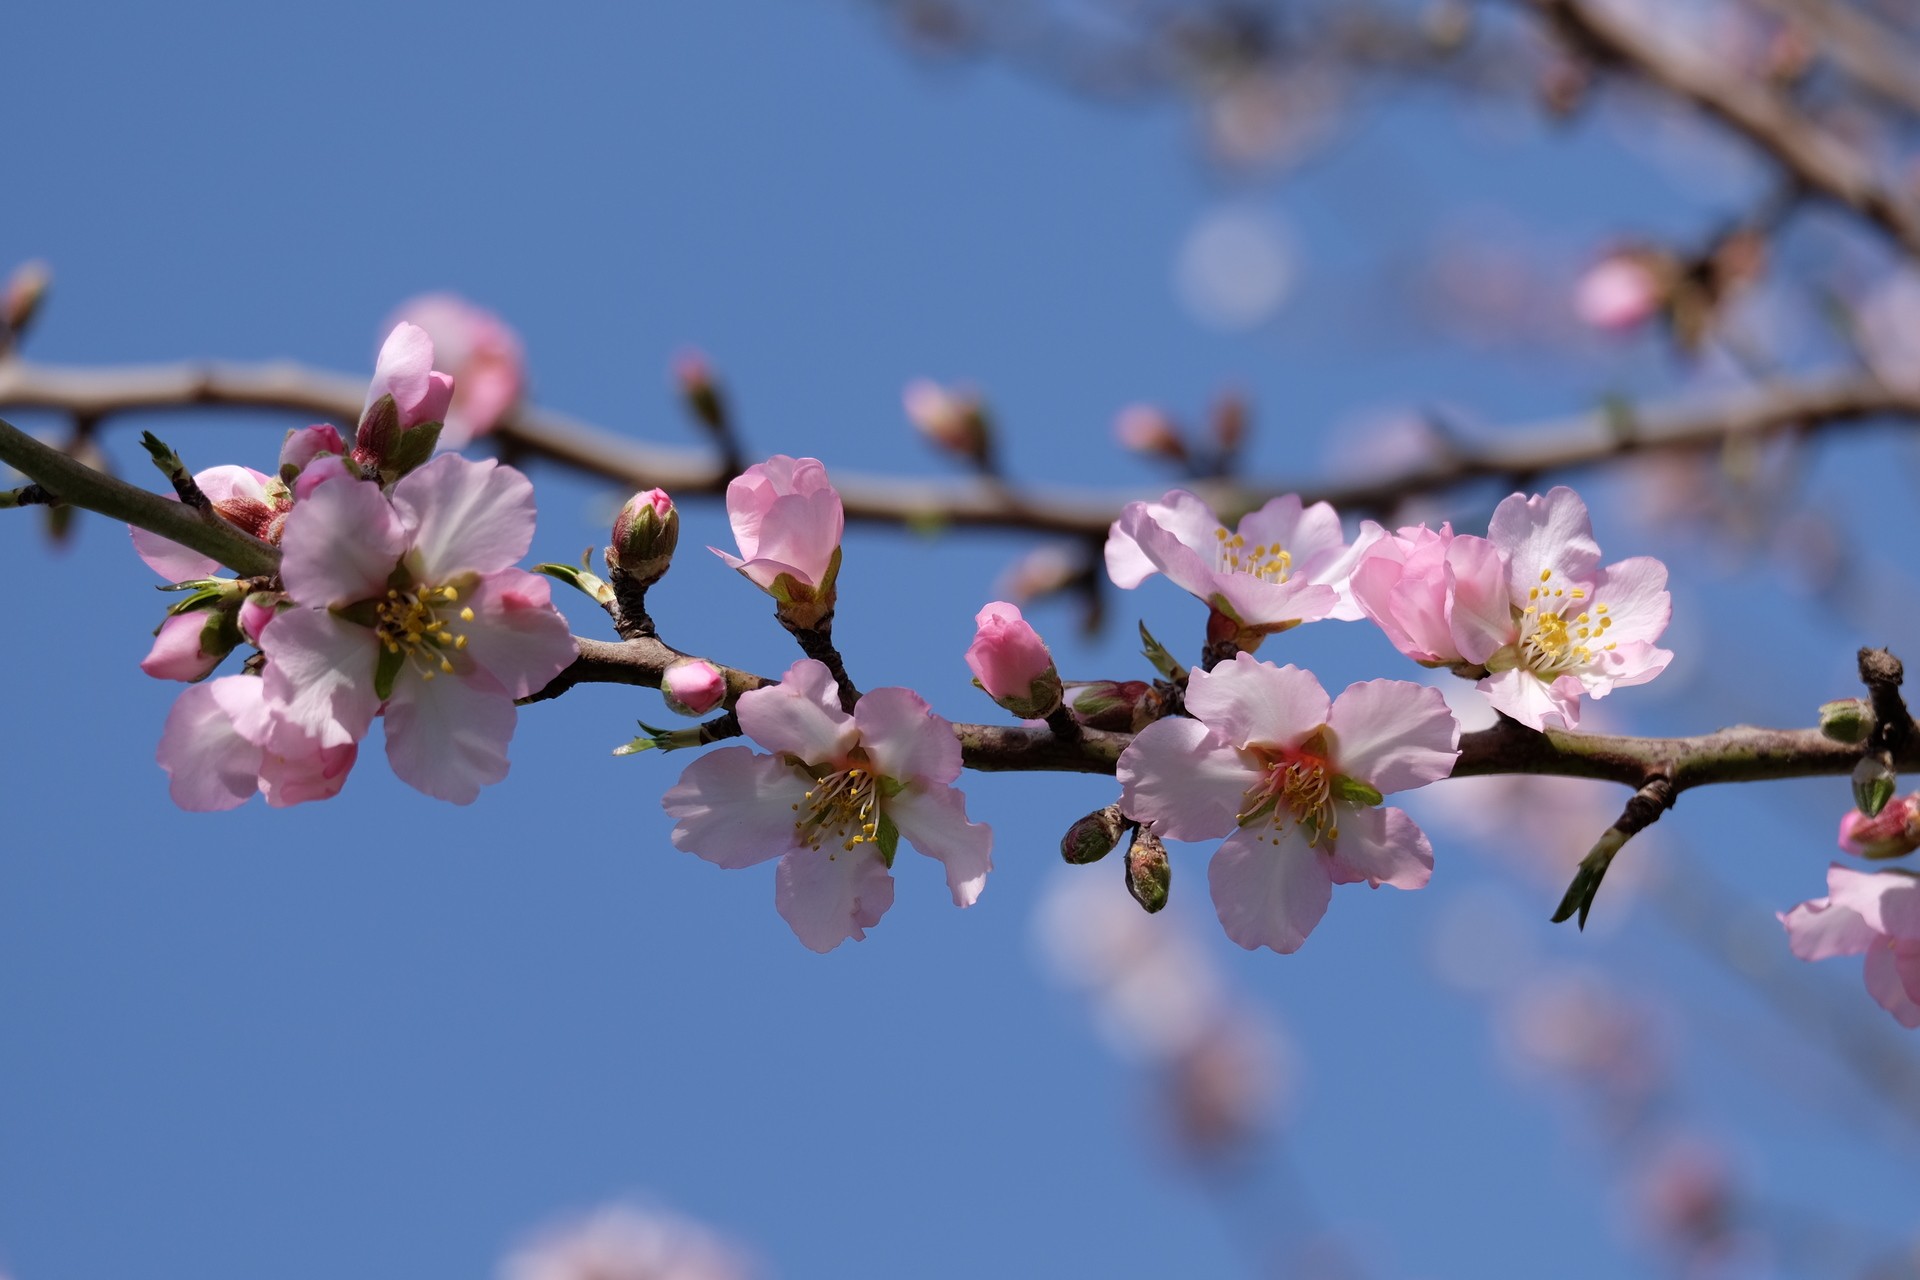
(693, 687)
(1094, 836)
(951, 419)
(1873, 784)
(1149, 875)
(1124, 706)
(645, 534)
(1892, 833)
(1011, 662)
(1145, 429)
(1846, 720)
(26, 289)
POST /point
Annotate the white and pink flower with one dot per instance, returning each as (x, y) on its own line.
(396, 593)
(1876, 914)
(1283, 565)
(1411, 583)
(787, 518)
(225, 740)
(832, 802)
(1295, 783)
(483, 356)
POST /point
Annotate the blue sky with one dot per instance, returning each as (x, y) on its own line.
(386, 1036)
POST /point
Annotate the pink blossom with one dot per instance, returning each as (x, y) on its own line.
(951, 418)
(1295, 784)
(1875, 913)
(483, 355)
(1150, 430)
(693, 686)
(395, 593)
(1618, 293)
(1285, 564)
(404, 370)
(243, 497)
(224, 740)
(627, 1243)
(304, 445)
(182, 649)
(1011, 662)
(832, 802)
(787, 518)
(1408, 583)
(1567, 627)
(1892, 833)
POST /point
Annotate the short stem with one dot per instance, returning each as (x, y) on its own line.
(817, 643)
(1064, 726)
(630, 616)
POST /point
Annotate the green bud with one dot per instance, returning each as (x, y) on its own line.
(1873, 785)
(1846, 720)
(1148, 872)
(1094, 836)
(645, 534)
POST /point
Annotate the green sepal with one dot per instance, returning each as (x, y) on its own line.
(889, 787)
(662, 739)
(634, 748)
(203, 598)
(1156, 653)
(887, 839)
(1354, 791)
(1874, 783)
(590, 584)
(386, 670)
(413, 448)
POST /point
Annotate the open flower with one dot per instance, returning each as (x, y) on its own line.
(1285, 564)
(412, 605)
(832, 802)
(1295, 784)
(1871, 913)
(224, 740)
(787, 518)
(1567, 627)
(481, 353)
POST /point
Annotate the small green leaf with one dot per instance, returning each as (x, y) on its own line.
(1157, 654)
(413, 448)
(589, 584)
(386, 671)
(1355, 791)
(642, 743)
(887, 839)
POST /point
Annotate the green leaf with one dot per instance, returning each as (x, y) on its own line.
(1355, 791)
(644, 742)
(1586, 881)
(887, 839)
(589, 584)
(386, 670)
(1157, 654)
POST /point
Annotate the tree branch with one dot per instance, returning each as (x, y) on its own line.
(1519, 455)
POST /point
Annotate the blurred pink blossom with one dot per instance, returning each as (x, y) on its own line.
(624, 1242)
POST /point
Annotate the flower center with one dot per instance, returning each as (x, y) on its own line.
(1272, 563)
(1552, 641)
(842, 806)
(408, 623)
(1296, 785)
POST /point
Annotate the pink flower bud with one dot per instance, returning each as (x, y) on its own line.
(1620, 292)
(256, 611)
(1146, 429)
(952, 419)
(180, 650)
(1892, 833)
(304, 444)
(1011, 662)
(483, 356)
(645, 534)
(787, 518)
(693, 686)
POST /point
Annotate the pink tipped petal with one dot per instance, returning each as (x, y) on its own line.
(800, 716)
(464, 517)
(904, 739)
(1393, 734)
(735, 807)
(933, 819)
(1885, 985)
(1263, 605)
(295, 769)
(828, 895)
(448, 737)
(169, 559)
(1248, 701)
(1168, 553)
(515, 633)
(1819, 930)
(320, 670)
(1541, 534)
(1269, 895)
(1381, 846)
(433, 406)
(209, 765)
(340, 545)
(402, 370)
(1185, 779)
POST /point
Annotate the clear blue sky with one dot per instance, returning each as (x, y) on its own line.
(383, 1036)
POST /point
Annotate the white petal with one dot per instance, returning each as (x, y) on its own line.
(1269, 895)
(737, 808)
(830, 894)
(800, 716)
(1185, 779)
(1381, 846)
(934, 820)
(448, 736)
(320, 671)
(464, 516)
(1393, 734)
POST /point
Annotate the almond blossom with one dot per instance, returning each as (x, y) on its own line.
(832, 802)
(1283, 565)
(1010, 662)
(787, 518)
(1412, 582)
(394, 593)
(1872, 913)
(1295, 783)
(483, 355)
(224, 740)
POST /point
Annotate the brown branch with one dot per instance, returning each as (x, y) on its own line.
(1519, 455)
(1878, 58)
(1822, 163)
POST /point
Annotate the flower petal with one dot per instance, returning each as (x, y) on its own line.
(516, 633)
(905, 739)
(1634, 592)
(209, 764)
(934, 820)
(448, 737)
(736, 808)
(320, 671)
(1185, 779)
(1393, 734)
(1480, 610)
(402, 370)
(800, 716)
(831, 894)
(1532, 701)
(1269, 895)
(1250, 702)
(341, 544)
(1381, 846)
(1551, 534)
(1885, 985)
(464, 516)
(1820, 930)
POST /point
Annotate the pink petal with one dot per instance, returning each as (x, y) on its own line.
(1532, 701)
(1819, 930)
(209, 765)
(1185, 519)
(1381, 846)
(320, 671)
(933, 819)
(176, 652)
(1334, 567)
(176, 563)
(295, 768)
(1272, 606)
(1393, 734)
(1481, 612)
(448, 736)
(1185, 779)
(1885, 985)
(1635, 593)
(340, 545)
(904, 738)
(432, 407)
(800, 716)
(737, 808)
(1887, 900)
(1145, 526)
(516, 633)
(402, 370)
(1269, 895)
(464, 516)
(1250, 702)
(828, 895)
(1544, 533)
